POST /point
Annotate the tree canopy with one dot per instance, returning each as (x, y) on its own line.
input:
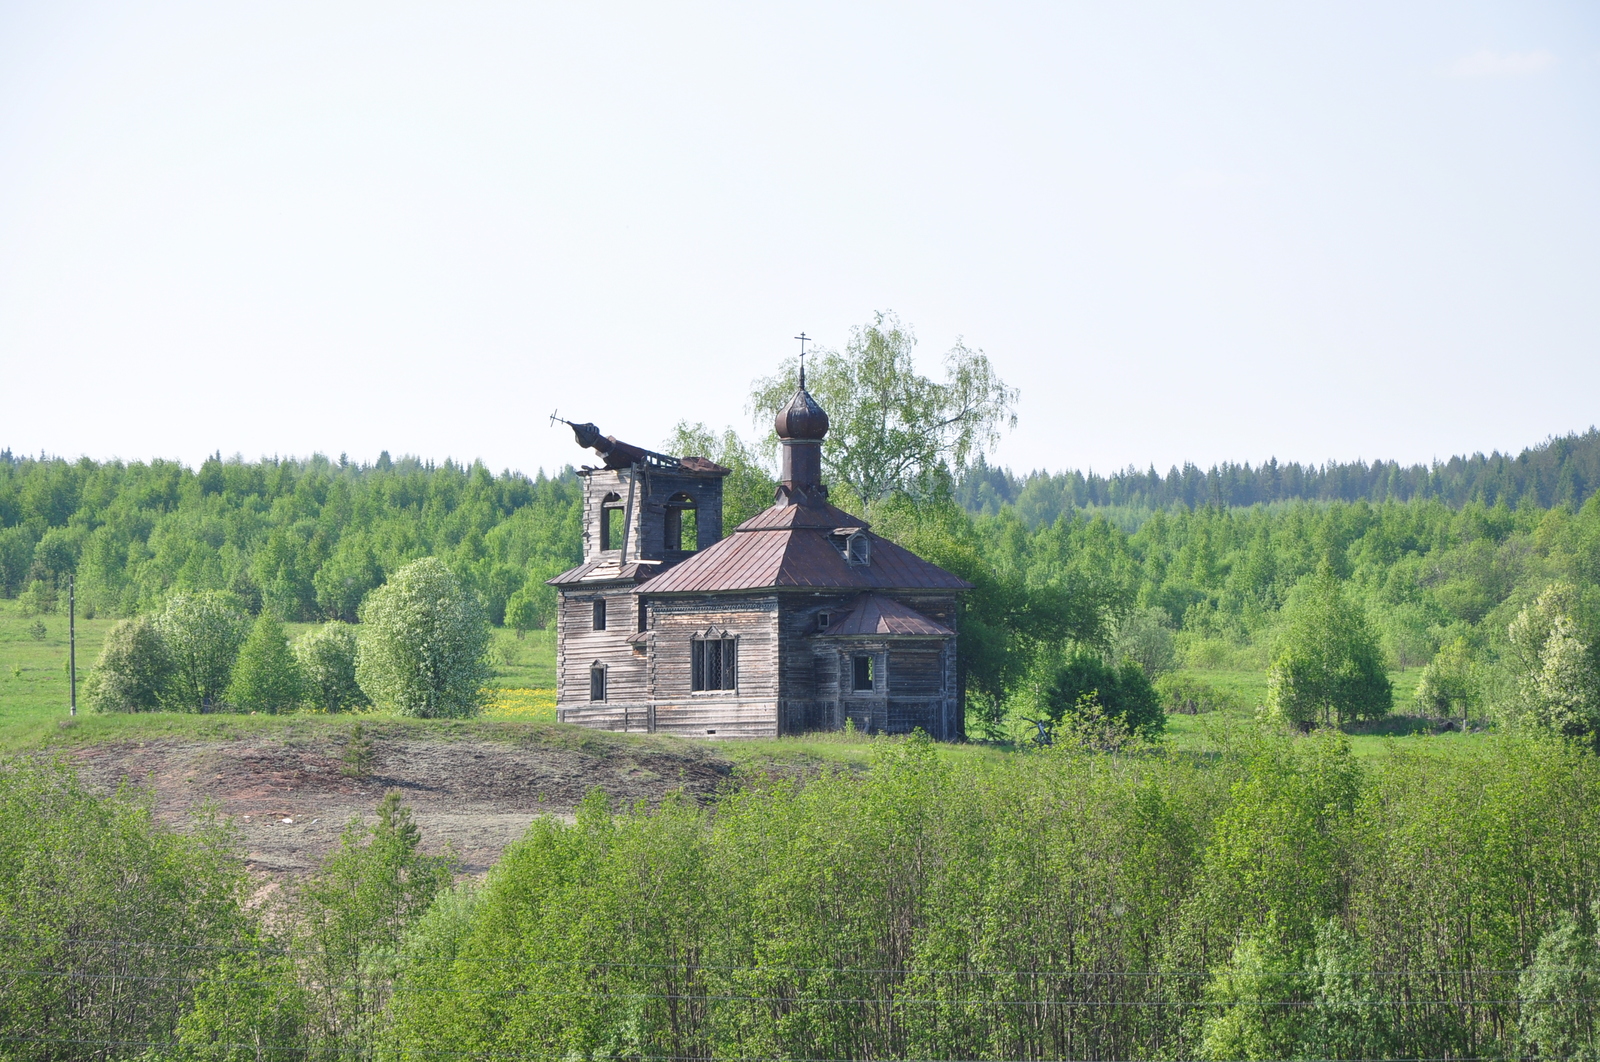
(891, 427)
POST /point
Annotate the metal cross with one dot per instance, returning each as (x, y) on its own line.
(804, 339)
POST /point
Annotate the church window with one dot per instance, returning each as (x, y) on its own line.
(611, 518)
(682, 528)
(597, 682)
(823, 619)
(714, 664)
(599, 613)
(862, 673)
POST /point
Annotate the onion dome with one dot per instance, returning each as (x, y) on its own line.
(802, 418)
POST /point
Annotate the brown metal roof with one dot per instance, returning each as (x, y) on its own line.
(789, 515)
(799, 558)
(874, 614)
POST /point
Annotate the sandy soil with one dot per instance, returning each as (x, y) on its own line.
(290, 800)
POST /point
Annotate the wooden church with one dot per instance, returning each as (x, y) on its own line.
(799, 620)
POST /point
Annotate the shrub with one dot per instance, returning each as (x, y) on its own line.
(265, 677)
(1121, 695)
(327, 659)
(1449, 685)
(133, 671)
(78, 871)
(1186, 695)
(1328, 665)
(423, 644)
(202, 632)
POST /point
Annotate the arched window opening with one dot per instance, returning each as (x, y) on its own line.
(682, 523)
(611, 518)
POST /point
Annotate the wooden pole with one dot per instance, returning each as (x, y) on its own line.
(72, 643)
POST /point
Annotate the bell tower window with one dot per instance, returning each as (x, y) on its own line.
(611, 518)
(681, 524)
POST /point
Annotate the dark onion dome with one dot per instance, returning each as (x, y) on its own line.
(802, 418)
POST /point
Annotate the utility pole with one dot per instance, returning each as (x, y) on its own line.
(72, 642)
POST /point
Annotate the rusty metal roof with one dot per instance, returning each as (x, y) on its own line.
(874, 614)
(799, 558)
(817, 514)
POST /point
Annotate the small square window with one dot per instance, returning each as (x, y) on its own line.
(823, 619)
(862, 672)
(599, 613)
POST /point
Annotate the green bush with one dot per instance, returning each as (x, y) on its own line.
(107, 917)
(1187, 695)
(423, 644)
(134, 669)
(327, 660)
(1121, 693)
(202, 632)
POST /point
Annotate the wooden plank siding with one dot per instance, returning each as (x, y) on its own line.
(751, 710)
(792, 678)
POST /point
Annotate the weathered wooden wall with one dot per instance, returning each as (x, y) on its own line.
(749, 711)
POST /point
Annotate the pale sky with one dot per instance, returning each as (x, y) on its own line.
(1186, 231)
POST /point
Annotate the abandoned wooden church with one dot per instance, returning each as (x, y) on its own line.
(799, 620)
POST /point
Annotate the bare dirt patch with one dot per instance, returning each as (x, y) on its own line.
(290, 799)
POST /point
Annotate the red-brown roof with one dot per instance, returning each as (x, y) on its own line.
(778, 550)
(874, 614)
(816, 515)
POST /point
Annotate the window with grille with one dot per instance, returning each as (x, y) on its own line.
(597, 683)
(715, 665)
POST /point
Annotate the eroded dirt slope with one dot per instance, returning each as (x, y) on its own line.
(290, 798)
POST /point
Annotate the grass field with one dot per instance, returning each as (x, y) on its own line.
(34, 698)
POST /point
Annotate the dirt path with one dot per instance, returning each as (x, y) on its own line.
(290, 799)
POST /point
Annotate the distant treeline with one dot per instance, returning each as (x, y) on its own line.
(305, 539)
(1564, 470)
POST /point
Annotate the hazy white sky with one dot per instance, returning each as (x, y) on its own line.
(1185, 231)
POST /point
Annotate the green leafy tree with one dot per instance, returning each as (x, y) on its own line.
(1560, 993)
(327, 660)
(266, 676)
(347, 577)
(1450, 685)
(79, 870)
(203, 632)
(522, 611)
(1269, 1004)
(1558, 683)
(423, 644)
(353, 914)
(250, 1007)
(891, 427)
(1145, 636)
(133, 671)
(1328, 666)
